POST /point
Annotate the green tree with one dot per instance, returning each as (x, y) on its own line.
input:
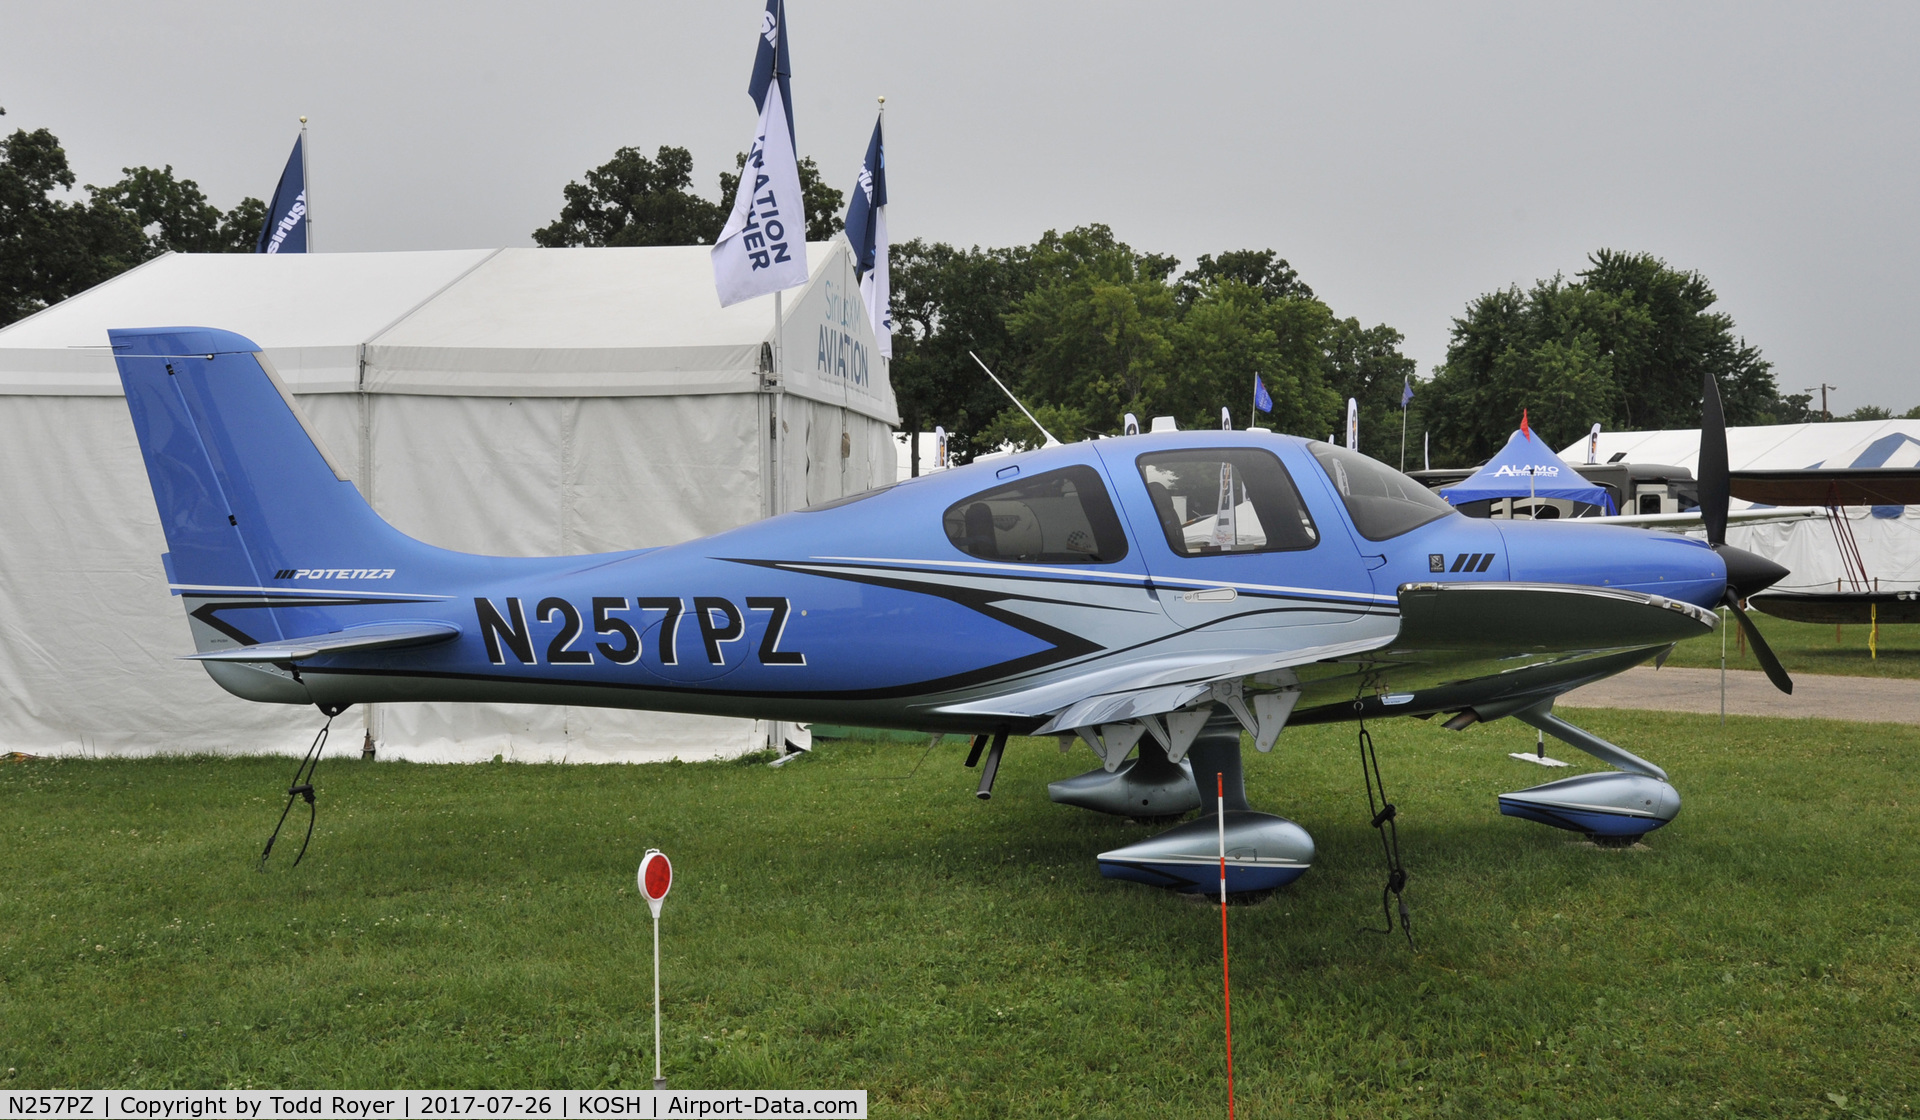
(1869, 412)
(1665, 338)
(52, 248)
(1232, 330)
(1365, 363)
(1261, 269)
(1085, 329)
(1623, 345)
(633, 200)
(946, 302)
(174, 216)
(1095, 332)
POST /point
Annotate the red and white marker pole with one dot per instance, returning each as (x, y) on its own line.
(1226, 978)
(656, 879)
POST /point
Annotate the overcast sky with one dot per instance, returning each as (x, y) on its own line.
(1403, 158)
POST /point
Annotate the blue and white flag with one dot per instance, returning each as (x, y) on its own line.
(285, 230)
(763, 247)
(867, 231)
(1406, 392)
(1262, 400)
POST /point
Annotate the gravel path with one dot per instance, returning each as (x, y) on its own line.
(1867, 699)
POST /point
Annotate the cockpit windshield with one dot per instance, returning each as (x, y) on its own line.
(1382, 502)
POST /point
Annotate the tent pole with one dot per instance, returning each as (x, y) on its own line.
(779, 392)
(368, 711)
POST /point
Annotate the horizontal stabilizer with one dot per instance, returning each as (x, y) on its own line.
(356, 639)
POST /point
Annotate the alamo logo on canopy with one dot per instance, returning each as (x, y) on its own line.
(1508, 470)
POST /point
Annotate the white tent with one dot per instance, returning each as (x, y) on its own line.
(509, 401)
(1889, 536)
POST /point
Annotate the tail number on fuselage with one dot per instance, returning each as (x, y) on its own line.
(720, 623)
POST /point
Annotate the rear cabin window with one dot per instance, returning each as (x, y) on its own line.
(1060, 517)
(1226, 499)
(1382, 502)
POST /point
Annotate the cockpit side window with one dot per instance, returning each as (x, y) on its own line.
(1060, 517)
(1226, 499)
(1382, 502)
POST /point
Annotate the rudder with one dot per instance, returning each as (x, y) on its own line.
(244, 491)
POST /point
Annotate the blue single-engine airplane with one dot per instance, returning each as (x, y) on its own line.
(1151, 596)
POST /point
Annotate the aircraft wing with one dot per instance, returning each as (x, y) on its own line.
(357, 639)
(1161, 686)
(1687, 522)
(1460, 642)
(1516, 618)
(1846, 486)
(1496, 647)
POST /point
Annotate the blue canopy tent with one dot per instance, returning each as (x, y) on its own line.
(1527, 467)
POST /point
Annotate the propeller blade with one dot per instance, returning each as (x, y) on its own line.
(1715, 486)
(1776, 672)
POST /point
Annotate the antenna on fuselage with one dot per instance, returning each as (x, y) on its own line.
(1051, 442)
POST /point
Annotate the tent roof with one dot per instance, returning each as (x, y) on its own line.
(1526, 465)
(1838, 444)
(1841, 443)
(483, 322)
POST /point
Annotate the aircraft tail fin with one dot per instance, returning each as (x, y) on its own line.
(248, 499)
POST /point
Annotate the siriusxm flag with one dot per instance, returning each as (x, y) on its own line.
(1262, 400)
(764, 245)
(1406, 392)
(285, 230)
(867, 230)
(771, 61)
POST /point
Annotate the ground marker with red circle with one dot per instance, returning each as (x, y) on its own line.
(656, 879)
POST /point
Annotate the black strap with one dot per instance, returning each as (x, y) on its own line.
(301, 786)
(1384, 817)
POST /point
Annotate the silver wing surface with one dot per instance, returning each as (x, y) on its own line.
(1491, 648)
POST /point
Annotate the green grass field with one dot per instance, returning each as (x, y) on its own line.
(852, 921)
(1807, 648)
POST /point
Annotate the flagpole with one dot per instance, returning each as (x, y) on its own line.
(306, 185)
(1403, 437)
(779, 390)
(779, 385)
